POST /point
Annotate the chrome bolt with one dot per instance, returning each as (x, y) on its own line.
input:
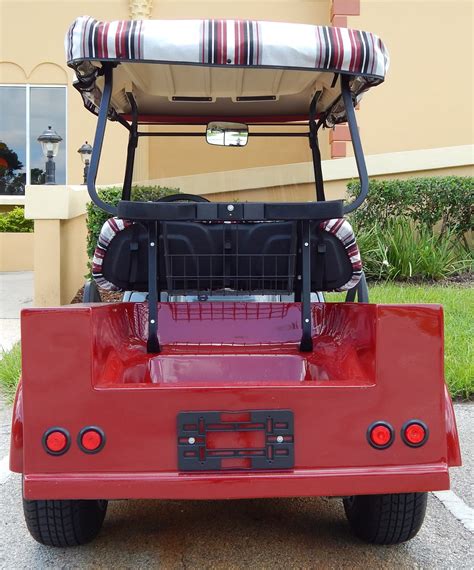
(152, 321)
(306, 244)
(306, 320)
(152, 244)
(191, 440)
(280, 439)
(230, 208)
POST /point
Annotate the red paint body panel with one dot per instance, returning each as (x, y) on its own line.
(87, 365)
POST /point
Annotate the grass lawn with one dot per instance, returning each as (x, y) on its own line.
(10, 369)
(458, 305)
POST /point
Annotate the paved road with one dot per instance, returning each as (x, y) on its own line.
(290, 533)
(16, 293)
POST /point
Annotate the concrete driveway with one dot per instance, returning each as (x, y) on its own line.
(287, 533)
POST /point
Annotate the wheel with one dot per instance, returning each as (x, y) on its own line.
(386, 519)
(64, 523)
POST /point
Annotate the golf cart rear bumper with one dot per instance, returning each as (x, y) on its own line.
(297, 483)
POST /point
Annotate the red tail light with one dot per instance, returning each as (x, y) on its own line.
(414, 433)
(56, 441)
(380, 435)
(91, 439)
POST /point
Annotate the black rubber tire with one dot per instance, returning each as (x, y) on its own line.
(64, 523)
(386, 519)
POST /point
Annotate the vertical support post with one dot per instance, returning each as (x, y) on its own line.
(132, 146)
(306, 344)
(153, 345)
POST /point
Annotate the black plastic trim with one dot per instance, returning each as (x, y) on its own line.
(63, 431)
(256, 211)
(409, 423)
(97, 429)
(380, 423)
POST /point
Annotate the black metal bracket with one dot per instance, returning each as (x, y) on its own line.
(263, 439)
(356, 145)
(153, 344)
(306, 344)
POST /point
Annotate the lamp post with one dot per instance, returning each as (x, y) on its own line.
(85, 151)
(50, 140)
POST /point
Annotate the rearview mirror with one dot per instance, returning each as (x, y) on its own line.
(227, 134)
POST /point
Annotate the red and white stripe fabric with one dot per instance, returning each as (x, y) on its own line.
(342, 229)
(109, 230)
(229, 42)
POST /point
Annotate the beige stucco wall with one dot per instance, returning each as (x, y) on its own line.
(426, 100)
(73, 257)
(334, 189)
(60, 258)
(16, 251)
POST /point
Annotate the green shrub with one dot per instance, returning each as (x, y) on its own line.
(14, 221)
(401, 251)
(445, 202)
(97, 217)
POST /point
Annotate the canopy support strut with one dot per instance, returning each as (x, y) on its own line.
(132, 147)
(316, 153)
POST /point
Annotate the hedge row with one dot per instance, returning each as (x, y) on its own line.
(445, 202)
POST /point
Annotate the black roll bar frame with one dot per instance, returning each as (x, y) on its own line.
(151, 214)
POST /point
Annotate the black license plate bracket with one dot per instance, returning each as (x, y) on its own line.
(250, 440)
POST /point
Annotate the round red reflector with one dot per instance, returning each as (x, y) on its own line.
(91, 440)
(415, 434)
(56, 441)
(380, 435)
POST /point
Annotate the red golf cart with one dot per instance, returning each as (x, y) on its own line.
(230, 377)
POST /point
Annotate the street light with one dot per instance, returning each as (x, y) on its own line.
(85, 151)
(50, 140)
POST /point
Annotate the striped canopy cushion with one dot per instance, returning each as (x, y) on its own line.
(229, 42)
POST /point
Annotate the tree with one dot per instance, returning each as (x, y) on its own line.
(10, 183)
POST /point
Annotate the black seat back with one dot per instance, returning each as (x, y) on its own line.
(205, 257)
